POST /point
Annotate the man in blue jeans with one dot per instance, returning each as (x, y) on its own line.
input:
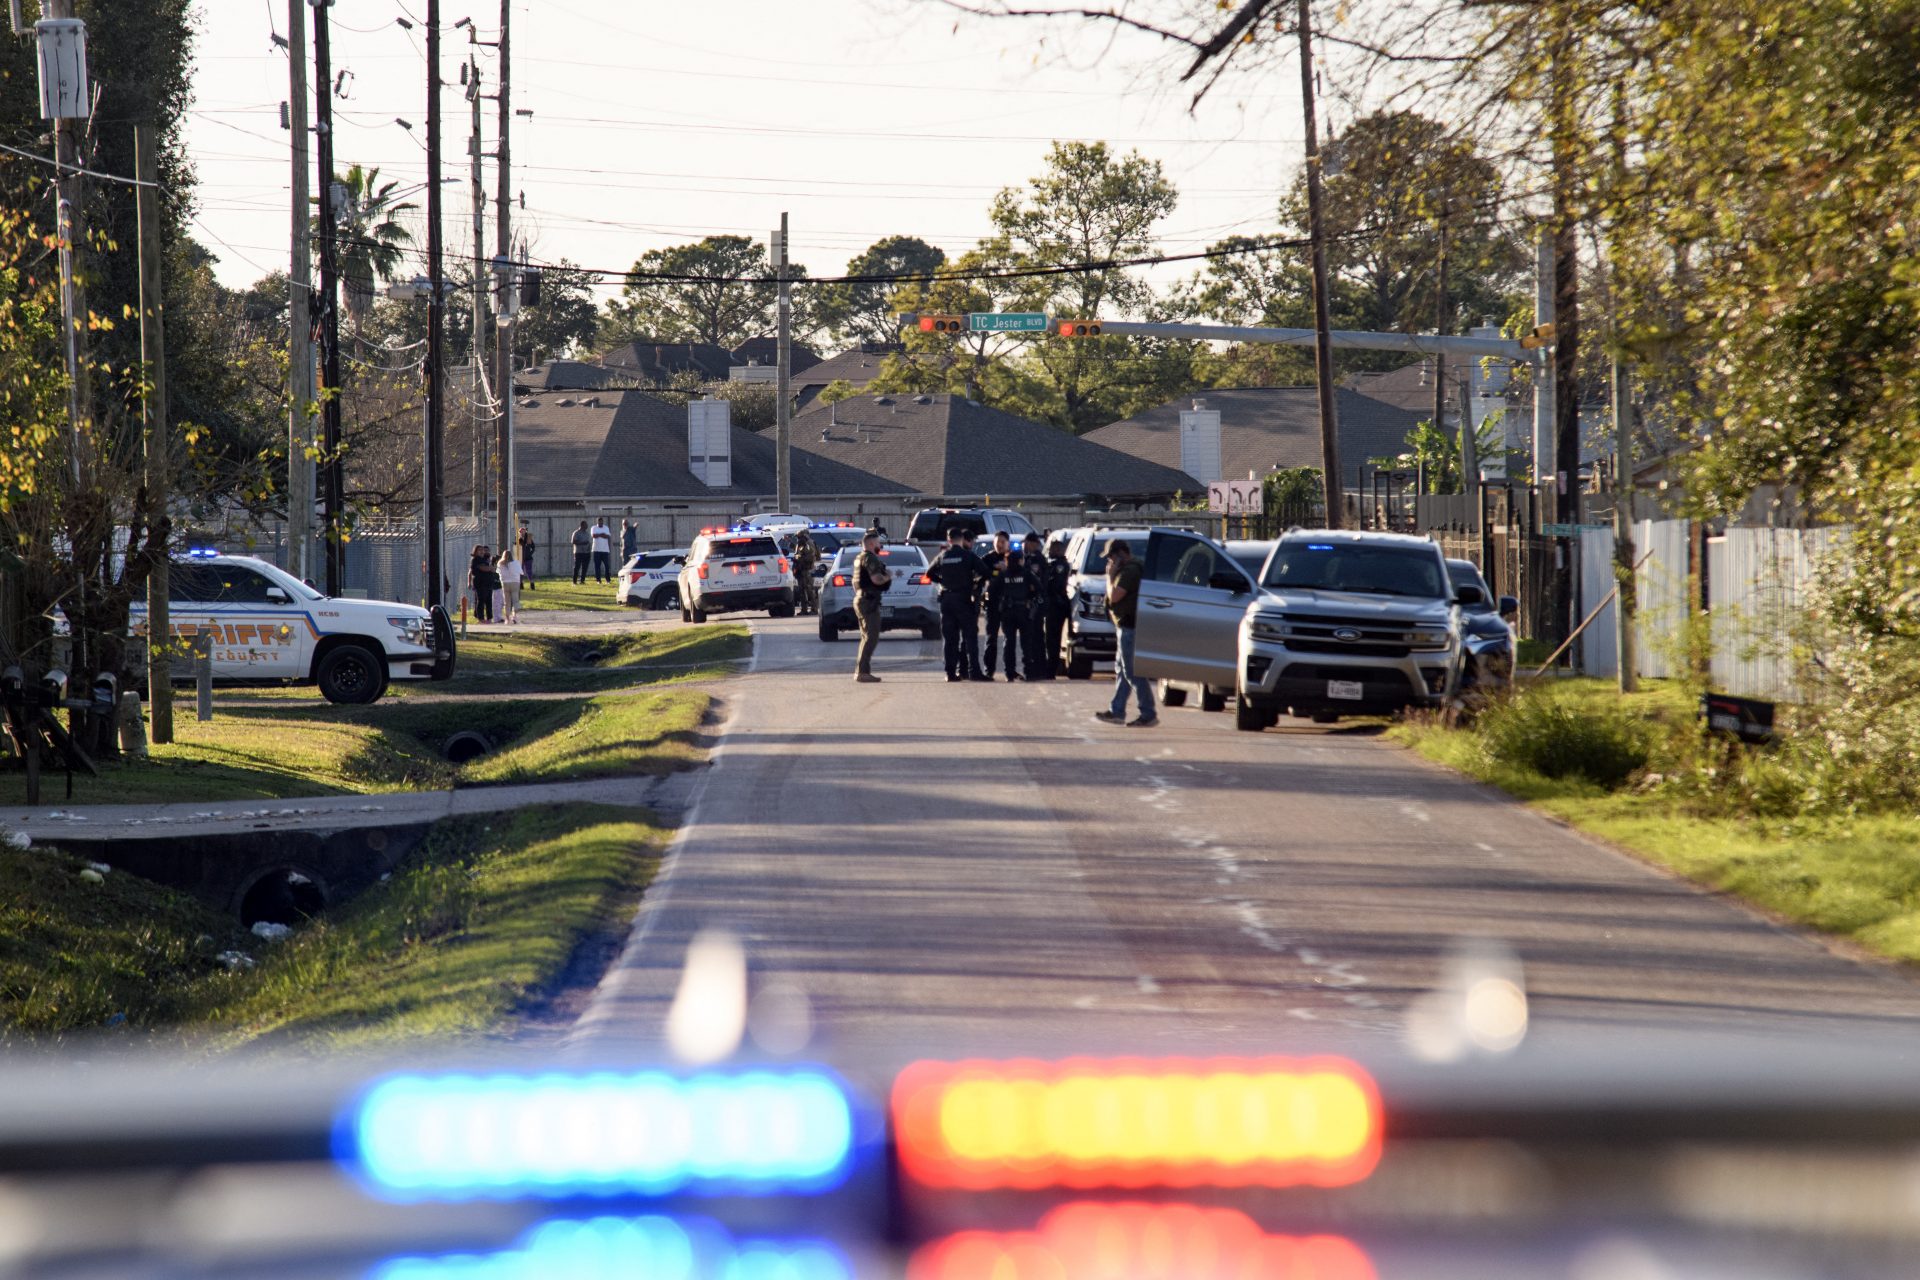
(1123, 606)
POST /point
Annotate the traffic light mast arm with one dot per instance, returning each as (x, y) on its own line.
(1416, 343)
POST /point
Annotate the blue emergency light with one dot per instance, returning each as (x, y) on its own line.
(658, 1248)
(201, 553)
(458, 1137)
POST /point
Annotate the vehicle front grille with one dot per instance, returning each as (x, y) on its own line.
(1356, 650)
(1372, 637)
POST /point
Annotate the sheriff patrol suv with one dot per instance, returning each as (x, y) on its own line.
(650, 580)
(732, 569)
(267, 626)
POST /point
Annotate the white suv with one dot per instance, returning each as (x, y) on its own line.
(650, 580)
(267, 626)
(733, 569)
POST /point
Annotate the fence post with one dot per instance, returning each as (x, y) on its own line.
(203, 676)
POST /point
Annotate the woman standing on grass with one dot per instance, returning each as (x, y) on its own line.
(482, 581)
(510, 576)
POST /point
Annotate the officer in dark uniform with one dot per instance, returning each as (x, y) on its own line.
(805, 557)
(1059, 603)
(970, 637)
(996, 561)
(957, 571)
(1016, 598)
(1034, 663)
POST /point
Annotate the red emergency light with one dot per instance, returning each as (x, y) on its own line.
(1130, 1122)
(1140, 1242)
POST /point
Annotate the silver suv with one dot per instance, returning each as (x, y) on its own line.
(1338, 623)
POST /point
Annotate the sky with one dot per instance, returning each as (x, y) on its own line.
(658, 122)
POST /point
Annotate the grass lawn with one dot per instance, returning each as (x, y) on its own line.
(479, 923)
(274, 751)
(562, 593)
(1856, 877)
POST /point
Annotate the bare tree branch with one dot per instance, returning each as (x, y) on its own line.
(1104, 15)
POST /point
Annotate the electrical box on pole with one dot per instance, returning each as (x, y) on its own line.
(63, 68)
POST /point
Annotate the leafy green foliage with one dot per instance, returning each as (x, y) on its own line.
(714, 306)
(1556, 738)
(856, 313)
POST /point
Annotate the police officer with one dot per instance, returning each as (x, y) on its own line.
(970, 637)
(1059, 603)
(996, 561)
(957, 571)
(1034, 663)
(870, 580)
(1016, 599)
(805, 557)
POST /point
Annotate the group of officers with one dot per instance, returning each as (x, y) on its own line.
(1023, 592)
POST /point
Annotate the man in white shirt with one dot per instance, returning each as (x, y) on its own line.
(602, 552)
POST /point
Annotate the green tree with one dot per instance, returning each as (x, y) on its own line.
(564, 321)
(856, 313)
(372, 240)
(710, 295)
(1088, 205)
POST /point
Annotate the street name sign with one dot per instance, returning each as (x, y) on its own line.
(1006, 322)
(1571, 530)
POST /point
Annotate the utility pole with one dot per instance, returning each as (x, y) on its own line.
(480, 276)
(503, 247)
(1623, 555)
(1544, 451)
(70, 194)
(783, 429)
(1439, 360)
(333, 486)
(299, 317)
(1330, 474)
(436, 319)
(153, 422)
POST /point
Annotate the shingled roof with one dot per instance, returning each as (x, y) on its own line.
(658, 362)
(765, 349)
(573, 375)
(857, 367)
(952, 447)
(1267, 428)
(633, 445)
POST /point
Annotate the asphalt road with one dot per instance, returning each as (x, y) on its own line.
(981, 869)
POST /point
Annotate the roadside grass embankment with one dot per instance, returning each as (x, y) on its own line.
(480, 923)
(1638, 771)
(561, 593)
(285, 747)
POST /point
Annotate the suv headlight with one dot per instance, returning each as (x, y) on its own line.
(414, 629)
(1092, 606)
(1266, 628)
(1428, 638)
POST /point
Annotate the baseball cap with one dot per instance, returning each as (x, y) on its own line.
(1113, 545)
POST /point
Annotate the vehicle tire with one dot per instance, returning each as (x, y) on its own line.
(665, 598)
(1212, 700)
(1171, 697)
(1081, 668)
(829, 634)
(1247, 717)
(351, 674)
(697, 613)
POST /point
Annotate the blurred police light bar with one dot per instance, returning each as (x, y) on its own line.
(657, 1248)
(1140, 1242)
(1129, 1122)
(457, 1137)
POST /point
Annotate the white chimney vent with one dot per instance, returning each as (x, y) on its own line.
(1200, 443)
(710, 442)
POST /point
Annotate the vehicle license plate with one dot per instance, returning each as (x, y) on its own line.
(1348, 689)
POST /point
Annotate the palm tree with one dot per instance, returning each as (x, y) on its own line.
(371, 240)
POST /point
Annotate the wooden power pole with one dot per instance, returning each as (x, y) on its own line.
(153, 434)
(1330, 475)
(333, 480)
(299, 312)
(503, 247)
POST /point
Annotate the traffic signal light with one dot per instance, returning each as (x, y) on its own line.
(943, 324)
(1539, 336)
(1079, 328)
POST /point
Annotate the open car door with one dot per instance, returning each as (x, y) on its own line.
(1192, 597)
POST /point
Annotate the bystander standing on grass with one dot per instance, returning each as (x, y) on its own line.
(510, 575)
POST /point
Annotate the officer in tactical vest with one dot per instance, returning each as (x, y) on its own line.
(870, 581)
(1034, 663)
(996, 561)
(957, 571)
(805, 557)
(1059, 603)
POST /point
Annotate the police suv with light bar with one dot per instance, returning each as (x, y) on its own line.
(267, 626)
(729, 570)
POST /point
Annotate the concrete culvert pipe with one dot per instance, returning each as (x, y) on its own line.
(468, 744)
(282, 896)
